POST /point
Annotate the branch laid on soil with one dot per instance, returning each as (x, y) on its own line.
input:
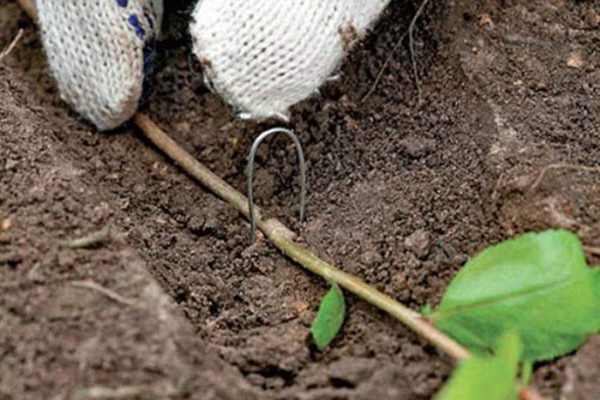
(12, 45)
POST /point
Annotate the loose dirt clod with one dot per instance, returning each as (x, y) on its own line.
(575, 61)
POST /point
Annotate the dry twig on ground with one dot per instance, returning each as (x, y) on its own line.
(410, 33)
(127, 392)
(117, 298)
(547, 168)
(95, 239)
(411, 45)
(12, 45)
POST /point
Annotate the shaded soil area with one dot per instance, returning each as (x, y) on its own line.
(404, 186)
(79, 322)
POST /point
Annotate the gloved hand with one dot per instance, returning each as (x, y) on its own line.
(261, 56)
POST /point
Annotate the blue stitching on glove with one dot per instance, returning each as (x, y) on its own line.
(149, 43)
(135, 22)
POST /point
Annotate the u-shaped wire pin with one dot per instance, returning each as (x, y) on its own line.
(250, 172)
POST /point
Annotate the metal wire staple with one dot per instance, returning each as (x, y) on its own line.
(250, 172)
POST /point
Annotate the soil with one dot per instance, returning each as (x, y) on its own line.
(404, 187)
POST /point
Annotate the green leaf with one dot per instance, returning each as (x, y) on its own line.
(537, 285)
(330, 317)
(526, 373)
(489, 378)
(596, 283)
(427, 310)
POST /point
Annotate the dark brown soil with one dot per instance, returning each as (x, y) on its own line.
(402, 191)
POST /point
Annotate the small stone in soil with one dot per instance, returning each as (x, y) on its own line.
(418, 242)
(370, 258)
(6, 224)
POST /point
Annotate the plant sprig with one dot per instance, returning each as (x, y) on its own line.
(538, 285)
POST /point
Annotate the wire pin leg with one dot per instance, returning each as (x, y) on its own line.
(250, 172)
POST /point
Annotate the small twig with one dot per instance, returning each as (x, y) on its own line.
(95, 239)
(499, 183)
(411, 45)
(547, 168)
(595, 251)
(383, 68)
(126, 392)
(28, 284)
(91, 285)
(410, 33)
(250, 172)
(12, 45)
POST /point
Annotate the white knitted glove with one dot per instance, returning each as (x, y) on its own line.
(262, 56)
(100, 52)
